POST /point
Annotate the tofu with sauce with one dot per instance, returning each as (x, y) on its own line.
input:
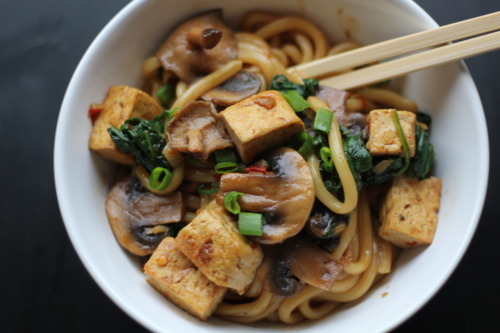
(212, 242)
(177, 278)
(384, 138)
(120, 104)
(409, 212)
(260, 122)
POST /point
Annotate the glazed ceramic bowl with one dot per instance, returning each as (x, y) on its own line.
(115, 58)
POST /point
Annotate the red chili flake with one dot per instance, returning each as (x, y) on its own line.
(364, 103)
(411, 243)
(94, 114)
(256, 168)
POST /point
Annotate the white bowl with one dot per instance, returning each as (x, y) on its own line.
(115, 57)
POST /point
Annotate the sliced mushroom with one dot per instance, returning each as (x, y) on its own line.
(242, 85)
(198, 46)
(198, 129)
(313, 265)
(286, 195)
(276, 276)
(287, 266)
(139, 218)
(323, 223)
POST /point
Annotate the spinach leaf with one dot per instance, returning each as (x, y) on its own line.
(372, 178)
(424, 118)
(144, 139)
(423, 160)
(358, 157)
(282, 84)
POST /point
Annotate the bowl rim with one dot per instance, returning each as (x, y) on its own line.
(64, 203)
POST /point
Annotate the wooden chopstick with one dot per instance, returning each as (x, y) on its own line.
(395, 47)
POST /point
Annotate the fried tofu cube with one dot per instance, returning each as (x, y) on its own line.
(177, 278)
(260, 122)
(384, 138)
(212, 242)
(120, 104)
(409, 212)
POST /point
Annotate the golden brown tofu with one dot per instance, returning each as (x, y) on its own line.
(177, 278)
(409, 211)
(213, 243)
(120, 104)
(384, 138)
(260, 122)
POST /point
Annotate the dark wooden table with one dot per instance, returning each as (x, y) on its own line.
(44, 286)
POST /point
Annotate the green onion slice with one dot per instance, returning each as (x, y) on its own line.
(306, 147)
(296, 101)
(326, 156)
(402, 137)
(225, 167)
(160, 178)
(208, 188)
(166, 94)
(323, 120)
(250, 224)
(231, 202)
(225, 155)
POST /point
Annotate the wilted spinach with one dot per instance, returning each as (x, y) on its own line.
(281, 83)
(423, 160)
(144, 139)
(358, 157)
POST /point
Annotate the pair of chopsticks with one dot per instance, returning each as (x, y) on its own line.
(487, 26)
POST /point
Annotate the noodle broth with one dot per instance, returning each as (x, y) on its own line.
(424, 269)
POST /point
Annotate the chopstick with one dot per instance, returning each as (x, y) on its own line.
(395, 47)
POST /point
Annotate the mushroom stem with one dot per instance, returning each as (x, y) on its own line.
(204, 38)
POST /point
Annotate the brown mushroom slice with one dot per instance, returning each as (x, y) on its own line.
(242, 85)
(198, 46)
(198, 129)
(313, 265)
(286, 195)
(140, 219)
(276, 276)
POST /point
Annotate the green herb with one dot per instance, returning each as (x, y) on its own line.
(166, 94)
(250, 224)
(424, 118)
(225, 167)
(144, 139)
(208, 188)
(296, 101)
(225, 155)
(303, 143)
(281, 83)
(326, 157)
(231, 202)
(160, 178)
(323, 120)
(423, 160)
(402, 137)
(358, 157)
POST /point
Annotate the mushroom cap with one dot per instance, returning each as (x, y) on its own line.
(198, 129)
(179, 55)
(131, 209)
(286, 195)
(242, 85)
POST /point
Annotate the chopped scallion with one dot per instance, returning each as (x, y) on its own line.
(326, 156)
(306, 141)
(166, 94)
(207, 189)
(225, 155)
(250, 224)
(225, 167)
(160, 178)
(296, 101)
(402, 137)
(231, 202)
(323, 120)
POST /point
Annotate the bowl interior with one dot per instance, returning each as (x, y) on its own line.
(115, 57)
